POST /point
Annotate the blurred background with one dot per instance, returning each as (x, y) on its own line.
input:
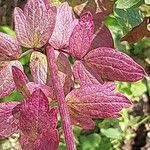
(129, 23)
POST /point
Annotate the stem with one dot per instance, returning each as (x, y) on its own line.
(59, 93)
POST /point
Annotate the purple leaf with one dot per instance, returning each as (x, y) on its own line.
(38, 67)
(96, 101)
(7, 84)
(8, 124)
(9, 47)
(113, 65)
(102, 38)
(65, 23)
(81, 37)
(20, 80)
(35, 24)
(36, 121)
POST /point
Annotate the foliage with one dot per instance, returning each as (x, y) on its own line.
(58, 61)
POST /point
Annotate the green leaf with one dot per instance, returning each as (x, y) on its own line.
(112, 133)
(90, 141)
(138, 88)
(125, 4)
(7, 30)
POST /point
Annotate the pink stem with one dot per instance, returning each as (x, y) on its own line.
(59, 93)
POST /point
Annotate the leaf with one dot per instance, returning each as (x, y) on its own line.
(138, 89)
(137, 33)
(125, 4)
(37, 121)
(102, 38)
(84, 76)
(38, 67)
(7, 84)
(113, 65)
(65, 23)
(9, 47)
(95, 101)
(35, 24)
(111, 133)
(47, 90)
(8, 124)
(81, 37)
(46, 141)
(20, 80)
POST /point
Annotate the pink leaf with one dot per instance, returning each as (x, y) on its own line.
(8, 124)
(113, 65)
(9, 47)
(38, 67)
(7, 84)
(36, 121)
(96, 101)
(65, 23)
(81, 37)
(35, 24)
(20, 80)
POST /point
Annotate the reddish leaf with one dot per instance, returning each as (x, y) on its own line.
(36, 121)
(34, 25)
(137, 33)
(46, 141)
(81, 37)
(65, 23)
(8, 124)
(113, 65)
(38, 67)
(95, 101)
(7, 84)
(20, 80)
(9, 47)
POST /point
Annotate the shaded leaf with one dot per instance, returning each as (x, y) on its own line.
(137, 33)
(96, 101)
(8, 124)
(99, 10)
(65, 23)
(7, 84)
(113, 65)
(34, 25)
(38, 67)
(81, 37)
(9, 47)
(37, 121)
(20, 80)
(102, 38)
